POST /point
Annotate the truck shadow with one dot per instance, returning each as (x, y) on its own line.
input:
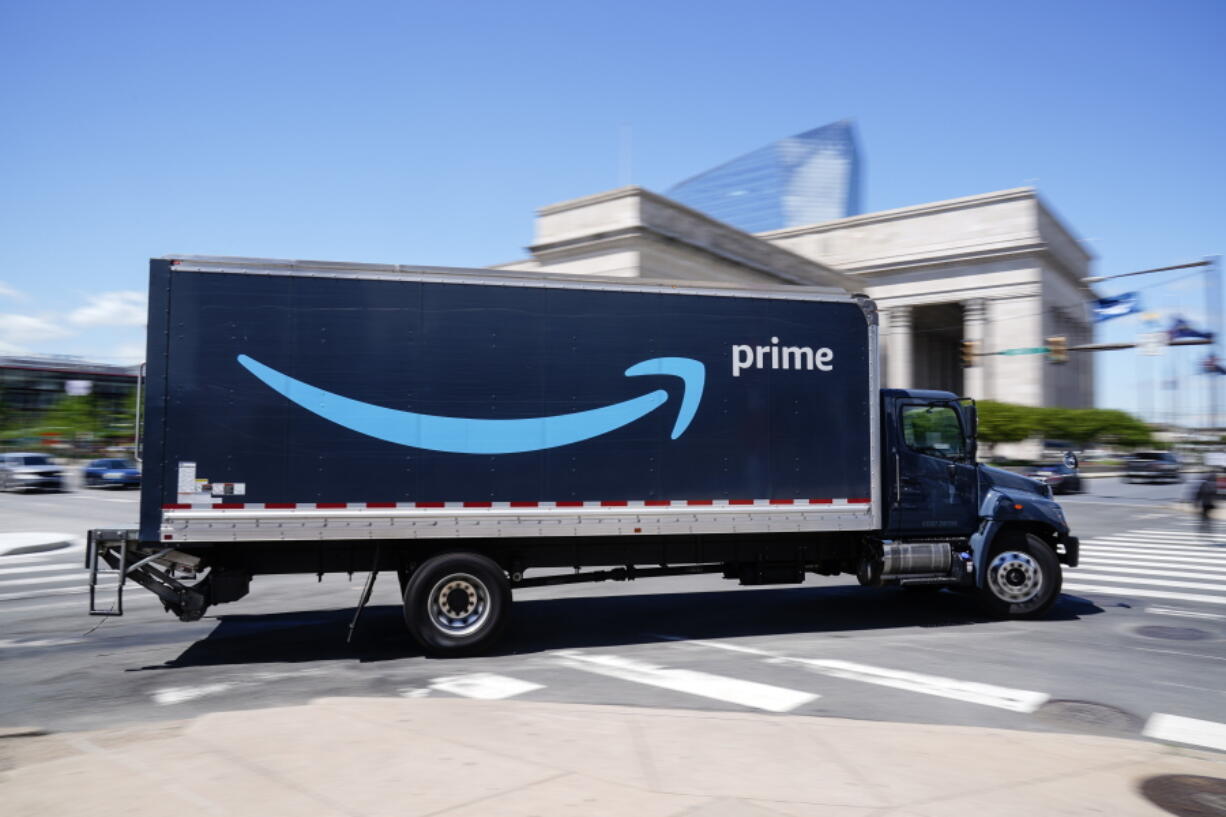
(543, 625)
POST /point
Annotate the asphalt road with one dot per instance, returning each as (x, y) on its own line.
(1140, 631)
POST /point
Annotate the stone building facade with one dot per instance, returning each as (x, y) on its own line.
(999, 269)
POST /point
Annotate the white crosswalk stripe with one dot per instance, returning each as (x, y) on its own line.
(1152, 563)
(49, 576)
(703, 684)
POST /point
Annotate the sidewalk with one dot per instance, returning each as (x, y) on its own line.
(17, 544)
(456, 757)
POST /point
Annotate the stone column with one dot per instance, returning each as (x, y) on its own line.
(975, 381)
(898, 348)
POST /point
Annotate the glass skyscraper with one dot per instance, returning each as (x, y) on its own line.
(804, 179)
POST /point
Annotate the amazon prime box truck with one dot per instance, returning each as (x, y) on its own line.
(475, 431)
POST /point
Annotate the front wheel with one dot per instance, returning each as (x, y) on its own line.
(457, 603)
(1022, 577)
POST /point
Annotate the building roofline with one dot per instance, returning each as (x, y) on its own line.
(994, 197)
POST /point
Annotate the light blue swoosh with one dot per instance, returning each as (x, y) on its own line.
(460, 435)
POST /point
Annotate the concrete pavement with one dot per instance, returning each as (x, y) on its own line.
(455, 757)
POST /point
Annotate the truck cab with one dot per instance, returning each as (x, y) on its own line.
(1005, 534)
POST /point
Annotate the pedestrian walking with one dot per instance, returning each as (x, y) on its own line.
(1206, 498)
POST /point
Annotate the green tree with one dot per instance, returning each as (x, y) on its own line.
(1004, 422)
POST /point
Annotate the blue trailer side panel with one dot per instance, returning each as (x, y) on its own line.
(310, 389)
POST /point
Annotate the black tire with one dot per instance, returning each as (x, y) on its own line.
(457, 604)
(1022, 577)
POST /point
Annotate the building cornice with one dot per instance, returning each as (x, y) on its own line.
(996, 197)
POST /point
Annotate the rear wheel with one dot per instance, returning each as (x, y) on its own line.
(457, 603)
(1022, 577)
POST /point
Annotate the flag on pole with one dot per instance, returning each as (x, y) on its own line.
(1182, 329)
(1116, 307)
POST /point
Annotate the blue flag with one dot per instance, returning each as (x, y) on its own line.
(1182, 329)
(1107, 308)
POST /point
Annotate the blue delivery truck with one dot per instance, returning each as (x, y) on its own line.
(475, 432)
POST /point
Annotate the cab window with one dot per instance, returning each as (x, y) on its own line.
(933, 430)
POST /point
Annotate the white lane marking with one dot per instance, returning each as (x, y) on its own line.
(81, 576)
(1181, 652)
(1118, 552)
(483, 685)
(1153, 516)
(1219, 586)
(178, 695)
(54, 591)
(1142, 593)
(1194, 731)
(972, 692)
(1191, 550)
(1175, 574)
(62, 567)
(1016, 700)
(1172, 611)
(1155, 532)
(77, 548)
(11, 643)
(1100, 561)
(702, 684)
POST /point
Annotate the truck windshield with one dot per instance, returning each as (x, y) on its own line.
(933, 430)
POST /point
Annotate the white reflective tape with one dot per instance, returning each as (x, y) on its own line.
(1177, 729)
(483, 685)
(716, 687)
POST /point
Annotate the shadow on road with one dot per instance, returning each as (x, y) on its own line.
(598, 621)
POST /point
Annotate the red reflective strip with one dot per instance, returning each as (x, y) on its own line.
(613, 503)
(280, 506)
(176, 506)
(569, 503)
(821, 501)
(167, 535)
(430, 504)
(656, 503)
(860, 501)
(330, 504)
(478, 504)
(380, 504)
(700, 502)
(740, 501)
(783, 501)
(525, 504)
(228, 506)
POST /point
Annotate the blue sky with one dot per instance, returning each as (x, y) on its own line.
(427, 133)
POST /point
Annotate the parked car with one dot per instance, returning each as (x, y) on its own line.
(26, 471)
(1152, 466)
(1061, 478)
(119, 472)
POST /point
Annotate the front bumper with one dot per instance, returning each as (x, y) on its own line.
(1069, 550)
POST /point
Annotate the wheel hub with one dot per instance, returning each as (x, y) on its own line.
(1015, 577)
(459, 604)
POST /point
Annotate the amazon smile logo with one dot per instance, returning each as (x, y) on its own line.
(459, 435)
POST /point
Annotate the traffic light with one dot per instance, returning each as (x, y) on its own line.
(968, 353)
(1057, 349)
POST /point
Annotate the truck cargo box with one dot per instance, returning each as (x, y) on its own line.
(304, 401)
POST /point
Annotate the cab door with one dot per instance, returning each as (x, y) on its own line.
(935, 484)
